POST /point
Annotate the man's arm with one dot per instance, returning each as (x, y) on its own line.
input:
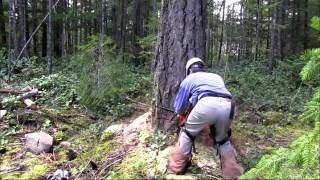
(181, 103)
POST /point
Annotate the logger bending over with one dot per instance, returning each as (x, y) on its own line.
(211, 104)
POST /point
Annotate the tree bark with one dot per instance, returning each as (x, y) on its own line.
(75, 26)
(181, 37)
(44, 30)
(63, 31)
(2, 25)
(34, 26)
(22, 26)
(306, 22)
(123, 27)
(114, 20)
(257, 40)
(49, 37)
(222, 31)
(13, 42)
(274, 39)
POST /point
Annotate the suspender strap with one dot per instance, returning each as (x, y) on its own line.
(218, 143)
(233, 104)
(192, 138)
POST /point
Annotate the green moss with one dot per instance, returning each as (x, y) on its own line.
(134, 166)
(36, 171)
(106, 135)
(59, 135)
(62, 155)
(97, 153)
(144, 136)
(35, 168)
(6, 159)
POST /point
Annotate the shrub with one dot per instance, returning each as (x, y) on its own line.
(106, 80)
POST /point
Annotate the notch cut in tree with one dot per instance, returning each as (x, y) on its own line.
(181, 37)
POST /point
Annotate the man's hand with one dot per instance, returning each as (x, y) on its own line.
(181, 119)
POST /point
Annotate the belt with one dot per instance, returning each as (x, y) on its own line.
(216, 95)
(233, 103)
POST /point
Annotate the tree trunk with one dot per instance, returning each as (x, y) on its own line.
(181, 37)
(242, 38)
(293, 42)
(306, 22)
(49, 37)
(123, 27)
(13, 42)
(2, 25)
(283, 31)
(136, 29)
(44, 30)
(274, 39)
(114, 20)
(34, 26)
(102, 18)
(63, 31)
(257, 41)
(75, 26)
(222, 31)
(22, 26)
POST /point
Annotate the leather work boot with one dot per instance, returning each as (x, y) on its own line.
(178, 163)
(229, 166)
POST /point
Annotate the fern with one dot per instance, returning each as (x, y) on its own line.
(312, 68)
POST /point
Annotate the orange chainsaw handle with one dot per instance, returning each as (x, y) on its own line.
(182, 117)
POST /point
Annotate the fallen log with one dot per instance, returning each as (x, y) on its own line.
(10, 91)
(30, 104)
(29, 94)
(24, 95)
(15, 91)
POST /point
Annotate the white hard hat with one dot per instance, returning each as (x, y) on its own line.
(192, 61)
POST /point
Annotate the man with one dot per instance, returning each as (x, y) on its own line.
(211, 103)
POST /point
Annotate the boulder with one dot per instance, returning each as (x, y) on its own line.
(2, 113)
(39, 142)
(59, 175)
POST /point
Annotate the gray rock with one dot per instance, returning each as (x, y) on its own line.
(2, 113)
(59, 175)
(39, 142)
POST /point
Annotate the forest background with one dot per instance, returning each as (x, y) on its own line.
(102, 57)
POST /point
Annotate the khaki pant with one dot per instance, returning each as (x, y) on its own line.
(208, 110)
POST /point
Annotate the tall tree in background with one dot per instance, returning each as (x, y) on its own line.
(63, 35)
(181, 37)
(13, 43)
(22, 26)
(274, 51)
(49, 37)
(2, 25)
(222, 30)
(44, 30)
(34, 21)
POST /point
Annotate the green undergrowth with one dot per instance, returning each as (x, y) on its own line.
(301, 160)
(261, 94)
(253, 140)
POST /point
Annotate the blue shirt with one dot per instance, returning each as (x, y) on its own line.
(194, 86)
